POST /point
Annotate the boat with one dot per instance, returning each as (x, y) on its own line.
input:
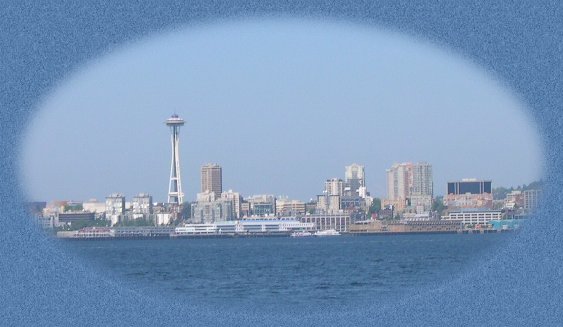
(328, 232)
(301, 234)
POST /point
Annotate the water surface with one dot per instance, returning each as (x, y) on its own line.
(347, 270)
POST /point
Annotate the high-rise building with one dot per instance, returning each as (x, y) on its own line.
(212, 179)
(334, 186)
(399, 182)
(354, 178)
(422, 189)
(410, 184)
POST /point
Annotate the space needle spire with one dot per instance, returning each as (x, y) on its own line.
(175, 194)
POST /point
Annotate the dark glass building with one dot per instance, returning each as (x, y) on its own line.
(470, 186)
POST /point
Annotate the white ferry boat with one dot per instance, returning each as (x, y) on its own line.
(328, 232)
(301, 234)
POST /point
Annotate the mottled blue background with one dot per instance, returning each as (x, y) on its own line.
(520, 43)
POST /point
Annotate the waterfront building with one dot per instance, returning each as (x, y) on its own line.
(95, 232)
(412, 226)
(286, 207)
(328, 203)
(337, 221)
(115, 204)
(469, 193)
(531, 198)
(354, 178)
(115, 207)
(472, 216)
(175, 194)
(212, 179)
(144, 231)
(236, 199)
(162, 218)
(70, 217)
(269, 226)
(208, 209)
(142, 204)
(262, 205)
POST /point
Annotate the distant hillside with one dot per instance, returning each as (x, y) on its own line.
(500, 193)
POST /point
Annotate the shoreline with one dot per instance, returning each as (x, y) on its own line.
(277, 235)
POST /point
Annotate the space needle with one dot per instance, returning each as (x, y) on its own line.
(175, 194)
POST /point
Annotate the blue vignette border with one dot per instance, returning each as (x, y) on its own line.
(520, 43)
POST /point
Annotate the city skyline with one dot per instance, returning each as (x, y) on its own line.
(244, 131)
(413, 185)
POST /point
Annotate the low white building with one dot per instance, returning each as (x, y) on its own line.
(339, 222)
(244, 227)
(475, 216)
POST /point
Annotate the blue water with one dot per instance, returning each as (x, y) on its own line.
(348, 270)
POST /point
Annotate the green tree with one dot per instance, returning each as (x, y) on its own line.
(79, 224)
(438, 204)
(73, 207)
(375, 206)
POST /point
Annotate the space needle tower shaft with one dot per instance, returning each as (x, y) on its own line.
(175, 194)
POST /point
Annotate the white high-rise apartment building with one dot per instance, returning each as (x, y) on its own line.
(422, 187)
(334, 186)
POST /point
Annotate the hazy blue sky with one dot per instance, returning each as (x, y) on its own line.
(281, 105)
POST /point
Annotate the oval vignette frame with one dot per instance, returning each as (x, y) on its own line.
(27, 264)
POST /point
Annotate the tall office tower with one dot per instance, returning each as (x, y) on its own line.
(175, 194)
(212, 179)
(354, 177)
